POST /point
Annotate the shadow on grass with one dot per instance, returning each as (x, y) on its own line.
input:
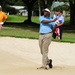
(32, 31)
(35, 27)
(31, 26)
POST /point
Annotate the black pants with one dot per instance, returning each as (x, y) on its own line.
(54, 34)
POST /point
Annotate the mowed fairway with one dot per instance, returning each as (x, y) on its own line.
(22, 57)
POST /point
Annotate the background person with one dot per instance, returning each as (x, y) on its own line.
(59, 22)
(3, 17)
(46, 26)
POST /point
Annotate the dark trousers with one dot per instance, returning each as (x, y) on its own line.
(54, 34)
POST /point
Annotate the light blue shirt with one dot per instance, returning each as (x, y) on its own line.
(46, 28)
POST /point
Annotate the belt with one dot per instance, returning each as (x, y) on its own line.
(45, 33)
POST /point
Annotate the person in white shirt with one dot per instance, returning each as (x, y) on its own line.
(59, 22)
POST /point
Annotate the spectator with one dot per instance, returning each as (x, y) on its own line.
(59, 22)
(3, 17)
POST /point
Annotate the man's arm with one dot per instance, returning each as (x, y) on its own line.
(60, 24)
(54, 27)
(46, 21)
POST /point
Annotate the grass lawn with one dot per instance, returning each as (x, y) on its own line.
(15, 18)
(32, 32)
(28, 32)
(18, 19)
(67, 38)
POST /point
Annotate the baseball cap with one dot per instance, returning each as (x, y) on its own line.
(46, 9)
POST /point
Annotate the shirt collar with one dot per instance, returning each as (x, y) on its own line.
(48, 17)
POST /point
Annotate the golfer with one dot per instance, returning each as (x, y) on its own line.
(46, 27)
(3, 17)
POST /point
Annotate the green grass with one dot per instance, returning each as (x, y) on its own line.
(18, 19)
(15, 18)
(67, 21)
(67, 38)
(32, 32)
(35, 19)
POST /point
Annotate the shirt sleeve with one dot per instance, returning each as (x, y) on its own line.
(62, 19)
(5, 16)
(54, 16)
(53, 24)
(41, 18)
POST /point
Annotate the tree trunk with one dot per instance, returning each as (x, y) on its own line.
(29, 8)
(29, 4)
(39, 7)
(29, 13)
(72, 13)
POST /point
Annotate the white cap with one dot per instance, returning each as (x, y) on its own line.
(0, 7)
(46, 9)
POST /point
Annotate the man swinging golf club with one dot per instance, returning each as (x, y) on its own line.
(46, 27)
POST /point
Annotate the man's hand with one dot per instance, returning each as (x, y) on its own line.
(60, 24)
(54, 27)
(54, 19)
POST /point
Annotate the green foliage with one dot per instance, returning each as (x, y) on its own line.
(10, 10)
(3, 2)
(62, 8)
(11, 2)
(19, 2)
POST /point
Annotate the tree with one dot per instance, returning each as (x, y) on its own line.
(47, 3)
(2, 2)
(72, 12)
(29, 4)
(39, 8)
